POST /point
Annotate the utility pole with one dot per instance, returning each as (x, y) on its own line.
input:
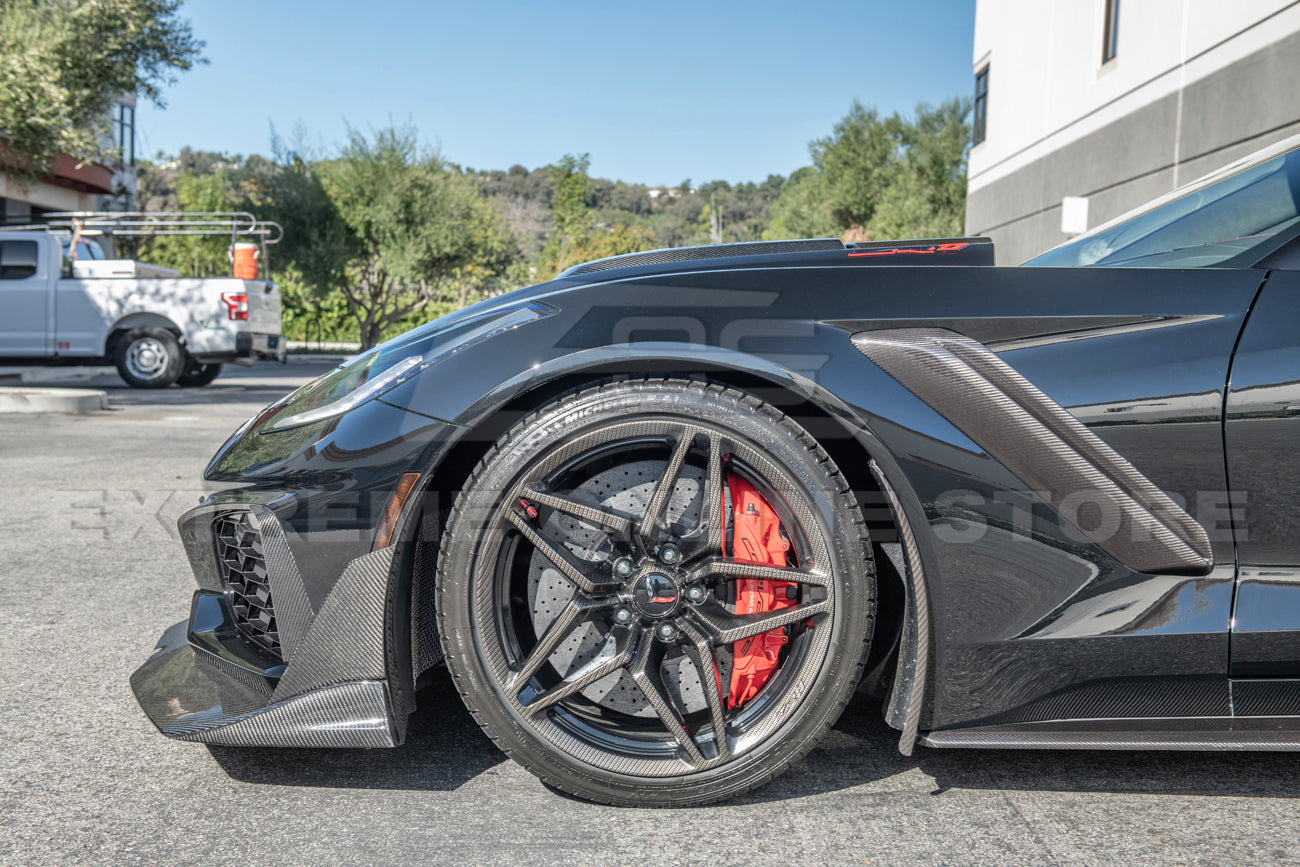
(715, 220)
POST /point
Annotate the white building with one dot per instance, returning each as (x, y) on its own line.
(71, 187)
(1116, 102)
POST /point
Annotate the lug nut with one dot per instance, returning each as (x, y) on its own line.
(624, 567)
(669, 554)
(623, 615)
(695, 594)
(667, 632)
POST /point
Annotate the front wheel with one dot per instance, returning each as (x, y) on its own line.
(656, 593)
(149, 358)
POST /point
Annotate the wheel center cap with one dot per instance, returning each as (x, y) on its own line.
(656, 595)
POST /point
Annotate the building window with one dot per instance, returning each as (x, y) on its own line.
(1110, 32)
(124, 131)
(981, 104)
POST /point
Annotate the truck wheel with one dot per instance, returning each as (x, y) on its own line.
(149, 358)
(197, 375)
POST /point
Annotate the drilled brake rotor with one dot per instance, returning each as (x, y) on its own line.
(626, 489)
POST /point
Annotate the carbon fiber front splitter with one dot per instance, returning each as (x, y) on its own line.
(190, 695)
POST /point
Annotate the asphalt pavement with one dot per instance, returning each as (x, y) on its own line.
(91, 573)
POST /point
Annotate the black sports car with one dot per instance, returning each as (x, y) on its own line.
(663, 516)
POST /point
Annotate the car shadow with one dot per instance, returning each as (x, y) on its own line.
(445, 749)
(862, 748)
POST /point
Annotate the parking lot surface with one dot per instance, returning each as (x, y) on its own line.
(93, 573)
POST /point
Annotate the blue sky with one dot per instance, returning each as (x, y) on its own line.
(655, 92)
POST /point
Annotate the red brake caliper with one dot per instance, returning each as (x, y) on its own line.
(756, 538)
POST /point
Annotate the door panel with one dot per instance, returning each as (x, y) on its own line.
(1262, 433)
(24, 299)
(1263, 427)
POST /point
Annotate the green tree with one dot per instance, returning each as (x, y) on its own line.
(802, 209)
(927, 195)
(614, 241)
(63, 62)
(875, 178)
(412, 223)
(312, 312)
(310, 261)
(572, 219)
(194, 255)
(289, 190)
(856, 162)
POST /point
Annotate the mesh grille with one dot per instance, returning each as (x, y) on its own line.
(243, 575)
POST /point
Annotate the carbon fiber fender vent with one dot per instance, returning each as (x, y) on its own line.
(1048, 449)
(242, 564)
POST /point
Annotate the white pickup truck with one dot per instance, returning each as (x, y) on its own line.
(156, 330)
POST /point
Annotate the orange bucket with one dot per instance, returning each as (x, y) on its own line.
(243, 260)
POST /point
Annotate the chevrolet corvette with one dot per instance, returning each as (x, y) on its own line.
(662, 517)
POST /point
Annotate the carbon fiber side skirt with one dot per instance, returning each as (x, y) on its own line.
(1260, 734)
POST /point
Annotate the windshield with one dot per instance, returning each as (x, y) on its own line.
(1198, 226)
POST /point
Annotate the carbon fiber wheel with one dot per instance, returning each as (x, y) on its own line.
(656, 593)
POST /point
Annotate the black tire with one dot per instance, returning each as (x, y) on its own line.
(591, 724)
(197, 375)
(149, 357)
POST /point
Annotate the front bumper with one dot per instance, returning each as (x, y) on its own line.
(323, 681)
(191, 696)
(299, 634)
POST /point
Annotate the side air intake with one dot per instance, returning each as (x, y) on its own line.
(1043, 445)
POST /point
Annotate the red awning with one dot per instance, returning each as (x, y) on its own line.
(89, 178)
